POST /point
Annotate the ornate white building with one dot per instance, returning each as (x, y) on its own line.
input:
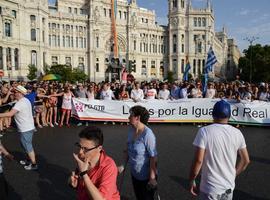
(79, 33)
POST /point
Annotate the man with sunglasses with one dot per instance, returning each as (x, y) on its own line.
(96, 174)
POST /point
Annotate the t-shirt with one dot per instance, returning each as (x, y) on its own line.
(140, 151)
(151, 94)
(137, 94)
(104, 177)
(24, 117)
(106, 95)
(164, 94)
(210, 93)
(221, 143)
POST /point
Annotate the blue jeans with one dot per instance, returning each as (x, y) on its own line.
(26, 140)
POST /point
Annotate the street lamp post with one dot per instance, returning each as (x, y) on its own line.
(250, 40)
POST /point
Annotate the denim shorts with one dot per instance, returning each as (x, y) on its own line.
(26, 140)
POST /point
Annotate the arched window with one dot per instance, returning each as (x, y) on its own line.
(32, 18)
(8, 29)
(34, 58)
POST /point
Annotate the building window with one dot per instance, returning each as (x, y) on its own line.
(174, 3)
(69, 9)
(14, 13)
(71, 41)
(199, 22)
(174, 43)
(0, 10)
(175, 64)
(33, 58)
(153, 68)
(33, 35)
(143, 72)
(161, 69)
(54, 40)
(204, 22)
(120, 14)
(183, 48)
(77, 42)
(8, 29)
(105, 12)
(97, 64)
(200, 47)
(50, 40)
(58, 41)
(32, 19)
(110, 13)
(182, 66)
(64, 42)
(81, 43)
(81, 11)
(195, 22)
(68, 41)
(182, 3)
(68, 61)
(1, 54)
(97, 42)
(81, 63)
(76, 10)
(199, 67)
(134, 45)
(194, 66)
(125, 15)
(54, 60)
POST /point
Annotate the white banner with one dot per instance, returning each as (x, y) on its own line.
(183, 110)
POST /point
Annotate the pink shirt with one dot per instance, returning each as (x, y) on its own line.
(104, 177)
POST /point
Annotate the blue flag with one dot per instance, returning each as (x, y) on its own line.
(211, 60)
(187, 68)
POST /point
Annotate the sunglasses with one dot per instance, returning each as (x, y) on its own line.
(84, 149)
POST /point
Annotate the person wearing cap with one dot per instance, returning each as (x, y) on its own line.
(22, 112)
(217, 146)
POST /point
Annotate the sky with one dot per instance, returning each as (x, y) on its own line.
(242, 18)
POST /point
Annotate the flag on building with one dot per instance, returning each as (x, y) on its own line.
(211, 60)
(187, 68)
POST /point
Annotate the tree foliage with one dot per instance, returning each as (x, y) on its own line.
(257, 61)
(170, 77)
(67, 73)
(32, 72)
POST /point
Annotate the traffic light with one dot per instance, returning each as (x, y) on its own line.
(133, 66)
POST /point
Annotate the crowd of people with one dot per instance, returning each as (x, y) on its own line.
(217, 146)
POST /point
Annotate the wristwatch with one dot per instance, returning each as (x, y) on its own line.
(81, 174)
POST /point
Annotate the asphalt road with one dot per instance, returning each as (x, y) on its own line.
(54, 147)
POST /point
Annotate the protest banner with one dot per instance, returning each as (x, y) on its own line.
(167, 111)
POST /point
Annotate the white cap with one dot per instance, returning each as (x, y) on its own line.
(21, 89)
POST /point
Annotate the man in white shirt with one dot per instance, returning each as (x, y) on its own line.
(164, 93)
(22, 112)
(137, 93)
(217, 146)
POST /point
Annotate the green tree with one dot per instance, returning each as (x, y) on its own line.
(170, 76)
(67, 74)
(255, 63)
(32, 72)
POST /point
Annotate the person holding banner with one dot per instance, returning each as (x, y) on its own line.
(217, 147)
(141, 154)
(137, 93)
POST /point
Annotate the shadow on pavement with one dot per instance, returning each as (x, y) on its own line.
(240, 195)
(52, 180)
(260, 160)
(181, 181)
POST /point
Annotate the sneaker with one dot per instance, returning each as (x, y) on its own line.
(24, 162)
(51, 125)
(31, 167)
(40, 126)
(113, 123)
(1, 135)
(105, 123)
(55, 123)
(79, 124)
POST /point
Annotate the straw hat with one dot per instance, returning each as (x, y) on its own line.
(21, 89)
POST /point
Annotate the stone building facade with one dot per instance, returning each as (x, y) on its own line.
(79, 33)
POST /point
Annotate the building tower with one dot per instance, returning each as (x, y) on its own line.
(176, 28)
